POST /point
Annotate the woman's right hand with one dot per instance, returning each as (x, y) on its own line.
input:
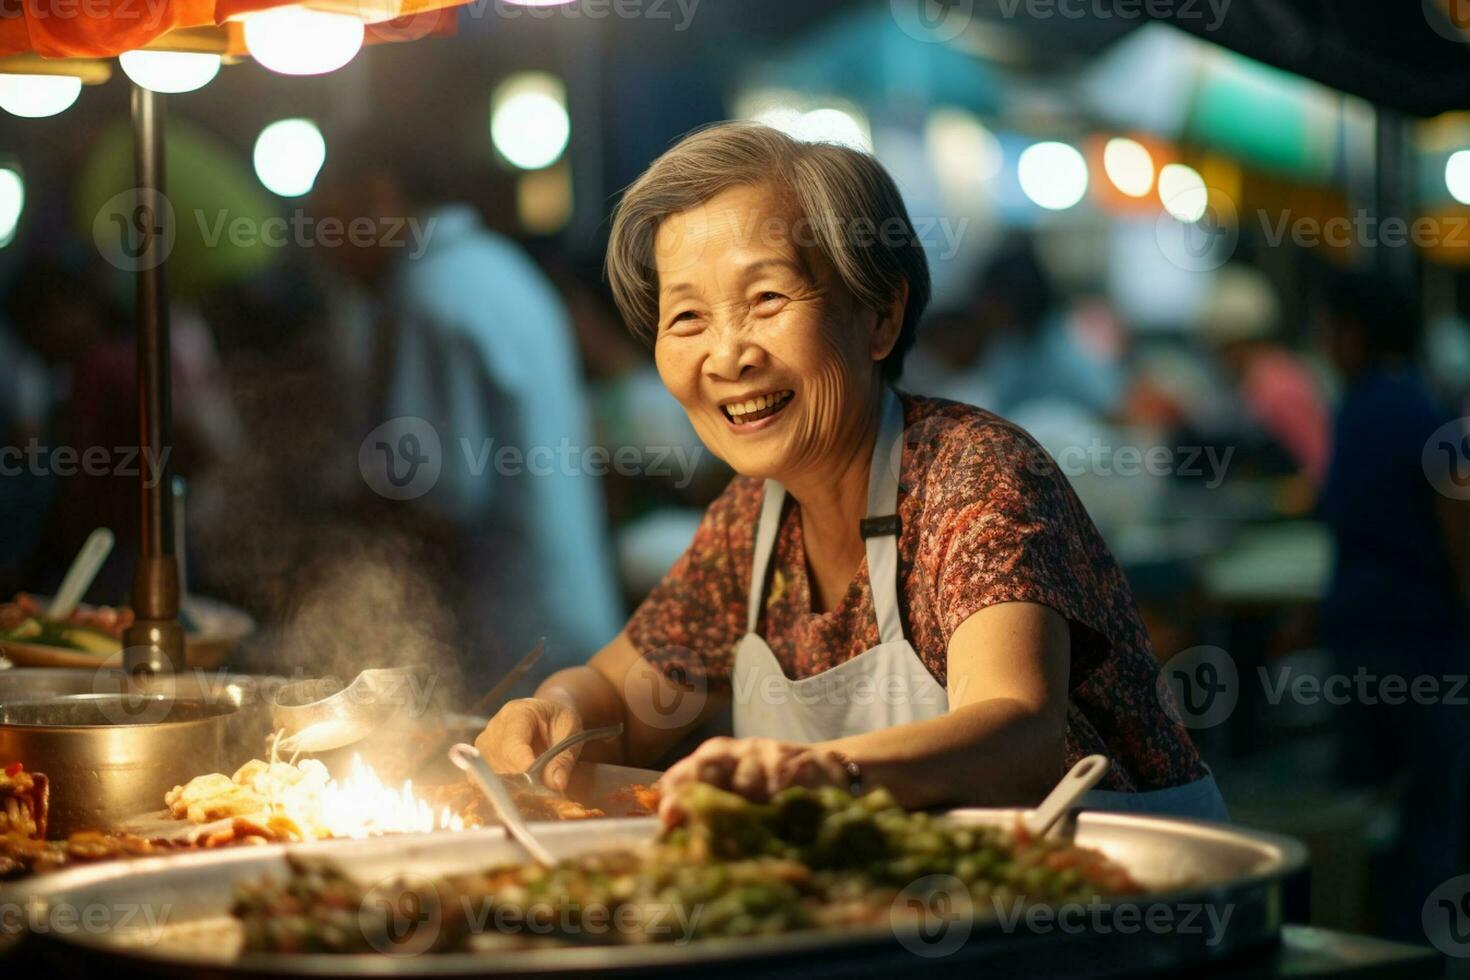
(525, 728)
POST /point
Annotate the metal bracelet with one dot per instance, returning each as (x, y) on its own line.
(854, 777)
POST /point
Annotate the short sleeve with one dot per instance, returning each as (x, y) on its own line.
(690, 623)
(1007, 527)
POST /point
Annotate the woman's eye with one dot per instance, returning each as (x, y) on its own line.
(683, 319)
(769, 297)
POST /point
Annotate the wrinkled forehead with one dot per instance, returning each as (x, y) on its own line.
(742, 227)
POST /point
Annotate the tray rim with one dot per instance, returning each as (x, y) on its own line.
(1284, 857)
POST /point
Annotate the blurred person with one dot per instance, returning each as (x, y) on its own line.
(48, 324)
(1276, 387)
(1399, 599)
(653, 514)
(63, 311)
(1016, 346)
(463, 331)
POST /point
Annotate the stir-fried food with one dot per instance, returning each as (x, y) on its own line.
(20, 856)
(281, 800)
(470, 805)
(808, 859)
(25, 799)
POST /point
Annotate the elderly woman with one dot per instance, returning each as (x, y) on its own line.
(894, 591)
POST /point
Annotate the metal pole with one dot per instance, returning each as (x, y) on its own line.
(155, 641)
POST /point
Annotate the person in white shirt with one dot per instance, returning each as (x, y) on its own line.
(465, 333)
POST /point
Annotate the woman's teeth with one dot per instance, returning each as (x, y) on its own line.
(755, 409)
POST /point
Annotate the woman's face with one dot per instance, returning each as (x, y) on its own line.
(773, 359)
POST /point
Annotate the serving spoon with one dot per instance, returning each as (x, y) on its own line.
(78, 578)
(468, 758)
(312, 723)
(1078, 780)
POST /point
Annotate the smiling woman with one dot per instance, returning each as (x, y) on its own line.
(894, 591)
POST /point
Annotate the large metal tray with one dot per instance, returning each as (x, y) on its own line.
(1215, 892)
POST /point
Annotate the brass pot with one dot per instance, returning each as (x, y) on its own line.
(112, 749)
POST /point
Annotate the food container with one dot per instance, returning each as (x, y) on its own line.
(113, 747)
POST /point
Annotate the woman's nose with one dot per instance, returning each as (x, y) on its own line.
(732, 355)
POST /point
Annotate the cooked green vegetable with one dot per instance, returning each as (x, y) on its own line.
(59, 633)
(808, 858)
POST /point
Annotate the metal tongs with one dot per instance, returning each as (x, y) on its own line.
(530, 780)
(497, 787)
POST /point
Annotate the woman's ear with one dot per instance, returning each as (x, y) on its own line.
(889, 323)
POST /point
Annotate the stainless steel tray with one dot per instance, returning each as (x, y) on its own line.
(1215, 891)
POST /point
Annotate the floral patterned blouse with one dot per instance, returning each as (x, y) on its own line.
(985, 517)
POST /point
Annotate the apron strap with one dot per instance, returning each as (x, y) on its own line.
(765, 542)
(881, 529)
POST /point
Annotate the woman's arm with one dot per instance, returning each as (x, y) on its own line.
(618, 686)
(1003, 740)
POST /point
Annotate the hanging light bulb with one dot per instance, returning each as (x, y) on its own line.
(38, 96)
(300, 41)
(169, 71)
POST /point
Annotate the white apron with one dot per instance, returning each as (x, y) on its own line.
(887, 685)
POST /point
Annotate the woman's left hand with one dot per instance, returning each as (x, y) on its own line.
(756, 768)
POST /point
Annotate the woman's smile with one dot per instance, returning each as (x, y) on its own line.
(757, 412)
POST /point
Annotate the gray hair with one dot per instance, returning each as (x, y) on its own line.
(853, 209)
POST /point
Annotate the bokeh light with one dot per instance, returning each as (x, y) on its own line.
(1053, 175)
(529, 124)
(1183, 193)
(1129, 166)
(289, 154)
(824, 124)
(964, 151)
(1457, 175)
(12, 203)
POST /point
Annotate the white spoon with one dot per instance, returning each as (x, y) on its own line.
(78, 579)
(1082, 777)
